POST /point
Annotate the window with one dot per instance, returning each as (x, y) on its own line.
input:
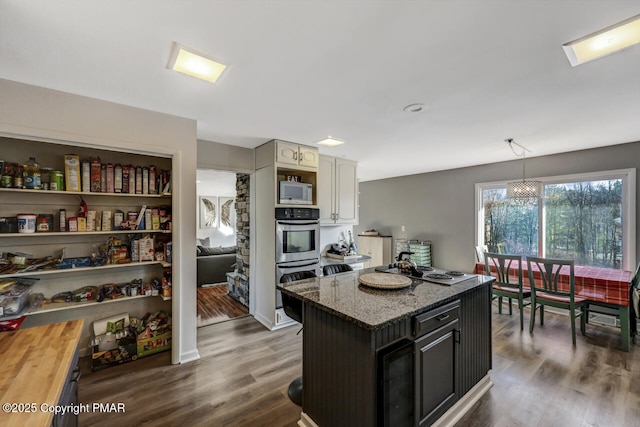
(588, 217)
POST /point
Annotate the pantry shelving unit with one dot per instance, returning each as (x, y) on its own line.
(79, 243)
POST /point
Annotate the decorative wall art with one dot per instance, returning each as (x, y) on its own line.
(209, 212)
(227, 213)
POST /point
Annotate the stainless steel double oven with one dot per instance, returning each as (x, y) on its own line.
(297, 242)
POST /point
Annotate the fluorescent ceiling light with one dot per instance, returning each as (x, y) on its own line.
(195, 64)
(330, 142)
(603, 42)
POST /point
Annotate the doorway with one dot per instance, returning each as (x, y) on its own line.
(222, 238)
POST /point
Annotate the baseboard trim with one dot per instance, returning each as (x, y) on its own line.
(189, 356)
(306, 421)
(462, 406)
(449, 418)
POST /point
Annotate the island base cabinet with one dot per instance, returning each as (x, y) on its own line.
(436, 357)
(407, 373)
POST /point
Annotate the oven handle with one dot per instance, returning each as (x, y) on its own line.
(298, 223)
(297, 266)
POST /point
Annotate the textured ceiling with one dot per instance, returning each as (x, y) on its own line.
(301, 70)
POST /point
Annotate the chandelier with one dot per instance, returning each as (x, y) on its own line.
(522, 190)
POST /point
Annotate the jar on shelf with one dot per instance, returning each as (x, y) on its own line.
(45, 178)
(17, 178)
(31, 174)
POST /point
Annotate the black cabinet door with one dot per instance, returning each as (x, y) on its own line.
(436, 369)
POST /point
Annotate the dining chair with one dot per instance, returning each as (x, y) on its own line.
(552, 283)
(330, 269)
(507, 284)
(480, 250)
(634, 301)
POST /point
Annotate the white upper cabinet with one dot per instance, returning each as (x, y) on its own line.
(337, 191)
(288, 153)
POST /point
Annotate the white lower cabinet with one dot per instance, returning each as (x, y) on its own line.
(338, 191)
(377, 247)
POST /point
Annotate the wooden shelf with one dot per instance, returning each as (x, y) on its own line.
(59, 306)
(81, 269)
(81, 233)
(82, 193)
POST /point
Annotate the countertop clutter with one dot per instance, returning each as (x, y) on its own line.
(36, 364)
(355, 259)
(369, 308)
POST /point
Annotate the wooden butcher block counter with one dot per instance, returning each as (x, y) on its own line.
(35, 366)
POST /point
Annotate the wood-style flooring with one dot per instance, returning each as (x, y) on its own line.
(215, 305)
(242, 377)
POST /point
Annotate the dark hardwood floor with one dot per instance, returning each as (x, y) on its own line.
(215, 305)
(242, 377)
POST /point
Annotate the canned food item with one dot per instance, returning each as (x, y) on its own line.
(42, 223)
(56, 180)
(6, 181)
(45, 177)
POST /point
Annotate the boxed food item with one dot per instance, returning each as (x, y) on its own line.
(95, 174)
(86, 176)
(156, 336)
(106, 221)
(146, 249)
(77, 262)
(72, 172)
(114, 342)
(14, 296)
(120, 339)
(124, 352)
(110, 178)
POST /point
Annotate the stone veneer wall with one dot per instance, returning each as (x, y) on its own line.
(239, 282)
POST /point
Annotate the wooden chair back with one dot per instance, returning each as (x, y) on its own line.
(545, 275)
(501, 266)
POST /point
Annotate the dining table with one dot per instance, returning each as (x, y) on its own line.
(607, 290)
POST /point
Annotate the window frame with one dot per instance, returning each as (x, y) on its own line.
(628, 177)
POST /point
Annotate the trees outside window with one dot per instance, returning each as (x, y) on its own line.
(588, 219)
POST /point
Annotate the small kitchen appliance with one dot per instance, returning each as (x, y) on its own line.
(297, 193)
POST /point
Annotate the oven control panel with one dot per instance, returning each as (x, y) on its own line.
(297, 213)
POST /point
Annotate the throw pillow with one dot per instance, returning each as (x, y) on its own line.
(206, 242)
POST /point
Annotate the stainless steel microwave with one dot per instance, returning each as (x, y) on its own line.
(296, 193)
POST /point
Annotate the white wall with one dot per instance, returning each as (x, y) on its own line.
(213, 155)
(213, 183)
(440, 206)
(332, 234)
(31, 112)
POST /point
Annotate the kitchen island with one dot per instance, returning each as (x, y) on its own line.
(40, 375)
(419, 355)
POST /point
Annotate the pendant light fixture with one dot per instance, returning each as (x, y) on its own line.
(522, 190)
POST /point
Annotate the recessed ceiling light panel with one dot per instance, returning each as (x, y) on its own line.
(604, 42)
(193, 63)
(330, 142)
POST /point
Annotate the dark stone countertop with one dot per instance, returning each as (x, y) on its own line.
(342, 295)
